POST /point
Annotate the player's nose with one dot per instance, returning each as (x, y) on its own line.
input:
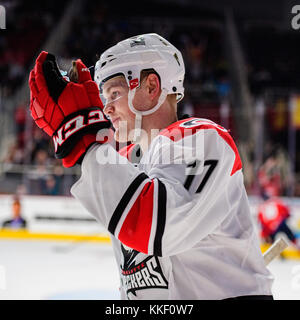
(108, 109)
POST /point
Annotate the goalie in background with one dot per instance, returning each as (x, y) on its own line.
(17, 222)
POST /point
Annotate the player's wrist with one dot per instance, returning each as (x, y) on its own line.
(75, 126)
(80, 149)
(77, 133)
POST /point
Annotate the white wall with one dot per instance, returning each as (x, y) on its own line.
(49, 206)
(68, 207)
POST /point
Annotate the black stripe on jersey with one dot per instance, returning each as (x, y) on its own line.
(124, 202)
(161, 218)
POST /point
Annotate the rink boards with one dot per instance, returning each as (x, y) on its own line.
(64, 218)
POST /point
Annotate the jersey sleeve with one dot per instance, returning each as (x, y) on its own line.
(175, 204)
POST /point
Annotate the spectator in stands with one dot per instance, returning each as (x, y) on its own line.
(17, 221)
(297, 185)
(40, 146)
(274, 175)
(223, 86)
(50, 186)
(20, 121)
(88, 37)
(15, 154)
(259, 80)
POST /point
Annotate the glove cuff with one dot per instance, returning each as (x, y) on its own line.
(79, 150)
(76, 126)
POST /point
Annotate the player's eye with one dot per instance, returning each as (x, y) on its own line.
(114, 95)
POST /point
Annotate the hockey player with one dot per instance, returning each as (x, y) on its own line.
(273, 215)
(178, 216)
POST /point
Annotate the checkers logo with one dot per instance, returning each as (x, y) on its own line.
(146, 274)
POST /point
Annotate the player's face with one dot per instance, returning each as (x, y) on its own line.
(115, 94)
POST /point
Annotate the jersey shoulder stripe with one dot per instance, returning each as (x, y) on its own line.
(126, 151)
(132, 152)
(136, 227)
(124, 202)
(132, 219)
(184, 128)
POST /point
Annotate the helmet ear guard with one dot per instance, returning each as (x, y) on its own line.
(144, 52)
(140, 114)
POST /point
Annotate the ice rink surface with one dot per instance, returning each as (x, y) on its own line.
(38, 270)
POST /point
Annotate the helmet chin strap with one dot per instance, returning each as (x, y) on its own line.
(139, 114)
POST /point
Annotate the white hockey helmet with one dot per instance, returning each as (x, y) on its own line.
(133, 55)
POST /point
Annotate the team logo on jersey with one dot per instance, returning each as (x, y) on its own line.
(190, 123)
(198, 122)
(146, 274)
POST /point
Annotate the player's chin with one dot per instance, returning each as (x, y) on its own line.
(121, 136)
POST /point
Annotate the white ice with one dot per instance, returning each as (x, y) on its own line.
(37, 270)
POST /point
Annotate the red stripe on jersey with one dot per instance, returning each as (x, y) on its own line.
(237, 165)
(136, 228)
(126, 151)
(175, 132)
(184, 128)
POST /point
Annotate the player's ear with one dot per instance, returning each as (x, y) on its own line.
(153, 85)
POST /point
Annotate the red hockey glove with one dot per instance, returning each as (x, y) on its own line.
(71, 113)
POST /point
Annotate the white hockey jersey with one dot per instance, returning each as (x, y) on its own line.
(180, 218)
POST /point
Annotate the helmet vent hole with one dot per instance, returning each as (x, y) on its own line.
(176, 58)
(164, 42)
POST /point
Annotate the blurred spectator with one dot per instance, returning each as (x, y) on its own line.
(41, 159)
(15, 154)
(223, 87)
(28, 24)
(50, 186)
(17, 221)
(297, 185)
(96, 29)
(259, 80)
(20, 120)
(21, 190)
(269, 177)
(40, 141)
(274, 174)
(39, 176)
